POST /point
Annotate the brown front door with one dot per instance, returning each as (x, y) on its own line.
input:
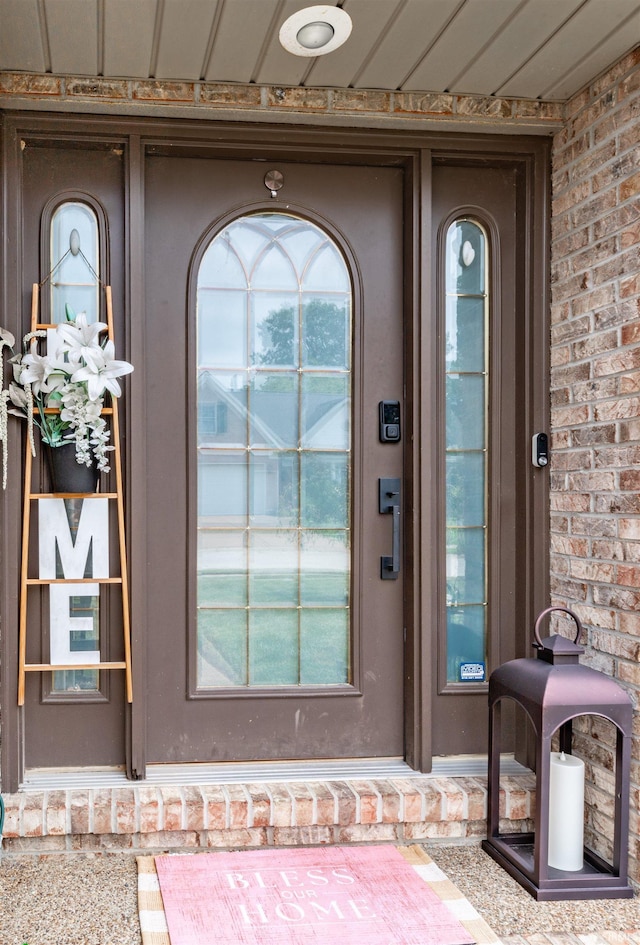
(274, 329)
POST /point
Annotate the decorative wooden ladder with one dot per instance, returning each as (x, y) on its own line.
(117, 496)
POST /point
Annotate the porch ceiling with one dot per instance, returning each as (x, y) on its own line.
(538, 49)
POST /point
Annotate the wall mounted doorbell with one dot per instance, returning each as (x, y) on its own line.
(540, 449)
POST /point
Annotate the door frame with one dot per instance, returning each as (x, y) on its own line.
(413, 152)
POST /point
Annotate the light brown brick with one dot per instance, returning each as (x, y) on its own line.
(300, 99)
(630, 334)
(361, 100)
(367, 833)
(20, 83)
(217, 805)
(238, 801)
(346, 802)
(390, 802)
(313, 835)
(55, 808)
(260, 808)
(325, 804)
(172, 809)
(281, 805)
(161, 91)
(194, 807)
(125, 810)
(102, 811)
(169, 840)
(79, 811)
(369, 801)
(420, 103)
(230, 96)
(303, 805)
(411, 801)
(224, 839)
(97, 88)
(149, 803)
(475, 105)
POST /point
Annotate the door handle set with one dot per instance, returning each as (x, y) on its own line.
(389, 504)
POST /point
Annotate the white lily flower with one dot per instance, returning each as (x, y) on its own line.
(71, 377)
(42, 372)
(79, 336)
(101, 371)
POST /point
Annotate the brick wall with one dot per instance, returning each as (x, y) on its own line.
(344, 107)
(595, 404)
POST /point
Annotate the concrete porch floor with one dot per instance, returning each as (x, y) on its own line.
(91, 899)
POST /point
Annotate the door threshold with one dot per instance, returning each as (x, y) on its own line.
(452, 766)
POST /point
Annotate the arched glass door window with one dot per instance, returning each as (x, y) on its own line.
(75, 261)
(274, 306)
(466, 449)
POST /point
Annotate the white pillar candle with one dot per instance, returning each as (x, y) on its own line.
(566, 812)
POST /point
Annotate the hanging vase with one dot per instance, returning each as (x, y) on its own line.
(67, 475)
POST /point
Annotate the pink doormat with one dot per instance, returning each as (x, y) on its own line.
(319, 896)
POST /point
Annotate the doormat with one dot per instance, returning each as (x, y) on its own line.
(380, 895)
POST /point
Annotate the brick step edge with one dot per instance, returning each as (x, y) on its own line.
(145, 817)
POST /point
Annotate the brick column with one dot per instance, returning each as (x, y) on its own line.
(595, 403)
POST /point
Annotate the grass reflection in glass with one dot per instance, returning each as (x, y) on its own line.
(324, 647)
(240, 647)
(273, 647)
(222, 648)
(324, 568)
(273, 567)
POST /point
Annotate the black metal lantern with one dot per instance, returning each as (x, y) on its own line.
(553, 689)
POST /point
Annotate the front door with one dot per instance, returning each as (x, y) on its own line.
(274, 330)
(309, 578)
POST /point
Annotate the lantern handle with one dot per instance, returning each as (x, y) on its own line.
(536, 630)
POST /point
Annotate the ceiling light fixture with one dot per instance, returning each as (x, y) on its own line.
(315, 31)
(315, 35)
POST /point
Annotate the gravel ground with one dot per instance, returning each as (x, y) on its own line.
(91, 899)
(509, 910)
(69, 899)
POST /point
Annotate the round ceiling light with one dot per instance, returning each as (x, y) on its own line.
(315, 35)
(315, 31)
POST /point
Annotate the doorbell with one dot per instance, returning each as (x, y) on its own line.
(540, 449)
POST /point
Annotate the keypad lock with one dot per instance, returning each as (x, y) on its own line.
(389, 417)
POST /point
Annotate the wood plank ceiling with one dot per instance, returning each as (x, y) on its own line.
(538, 49)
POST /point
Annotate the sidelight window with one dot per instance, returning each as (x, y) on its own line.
(466, 450)
(74, 262)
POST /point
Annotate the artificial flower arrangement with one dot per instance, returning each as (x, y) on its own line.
(72, 378)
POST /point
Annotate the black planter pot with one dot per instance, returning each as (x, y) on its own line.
(66, 474)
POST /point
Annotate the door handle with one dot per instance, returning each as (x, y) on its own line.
(389, 504)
